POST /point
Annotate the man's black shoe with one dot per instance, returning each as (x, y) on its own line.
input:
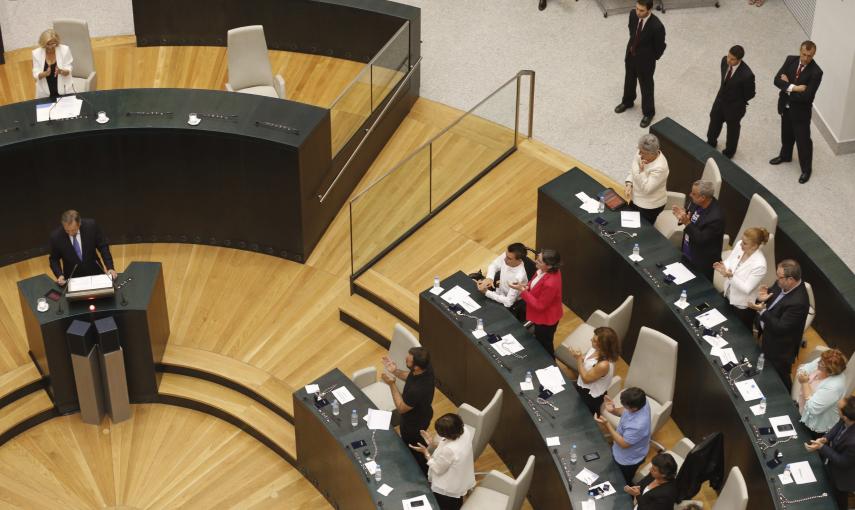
(646, 120)
(727, 154)
(541, 5)
(804, 178)
(777, 160)
(621, 108)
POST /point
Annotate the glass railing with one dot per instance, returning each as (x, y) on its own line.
(437, 172)
(369, 88)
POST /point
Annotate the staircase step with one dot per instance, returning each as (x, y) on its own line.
(386, 293)
(22, 410)
(370, 320)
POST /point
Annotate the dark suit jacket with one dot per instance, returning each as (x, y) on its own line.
(63, 258)
(651, 41)
(705, 237)
(800, 102)
(784, 323)
(840, 455)
(734, 94)
(660, 498)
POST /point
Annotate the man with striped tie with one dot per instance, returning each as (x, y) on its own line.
(798, 79)
(73, 249)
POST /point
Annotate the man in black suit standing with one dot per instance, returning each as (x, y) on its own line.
(74, 245)
(837, 449)
(704, 228)
(781, 314)
(736, 89)
(646, 44)
(798, 79)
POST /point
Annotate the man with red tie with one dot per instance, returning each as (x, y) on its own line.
(74, 249)
(736, 89)
(798, 79)
(646, 45)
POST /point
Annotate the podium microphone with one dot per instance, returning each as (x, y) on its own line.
(65, 289)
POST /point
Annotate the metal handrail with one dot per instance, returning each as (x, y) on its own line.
(370, 129)
(457, 121)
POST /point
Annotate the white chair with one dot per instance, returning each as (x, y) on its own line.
(74, 33)
(498, 491)
(679, 452)
(812, 308)
(666, 223)
(481, 423)
(712, 173)
(759, 214)
(580, 338)
(654, 370)
(366, 379)
(249, 64)
(733, 496)
(848, 373)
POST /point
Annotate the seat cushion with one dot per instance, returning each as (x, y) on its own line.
(485, 499)
(380, 394)
(261, 90)
(579, 339)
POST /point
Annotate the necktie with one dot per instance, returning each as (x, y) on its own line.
(637, 35)
(729, 74)
(799, 71)
(76, 247)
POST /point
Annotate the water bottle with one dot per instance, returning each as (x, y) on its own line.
(354, 418)
(683, 296)
(335, 407)
(480, 325)
(528, 376)
(787, 471)
(635, 250)
(602, 207)
(761, 362)
(763, 405)
(573, 453)
(377, 474)
(436, 282)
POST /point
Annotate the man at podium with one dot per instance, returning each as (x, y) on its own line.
(73, 249)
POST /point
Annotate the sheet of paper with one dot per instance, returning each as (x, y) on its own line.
(556, 389)
(42, 111)
(468, 303)
(802, 473)
(726, 355)
(630, 219)
(526, 386)
(66, 108)
(454, 294)
(436, 291)
(379, 420)
(682, 305)
(785, 478)
(711, 318)
(84, 283)
(553, 441)
(550, 376)
(507, 345)
(371, 466)
(584, 197)
(758, 410)
(749, 390)
(590, 207)
(608, 489)
(589, 504)
(312, 388)
(680, 273)
(416, 503)
(777, 421)
(715, 341)
(479, 333)
(587, 476)
(636, 258)
(385, 490)
(342, 394)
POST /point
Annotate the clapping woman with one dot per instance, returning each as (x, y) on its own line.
(52, 66)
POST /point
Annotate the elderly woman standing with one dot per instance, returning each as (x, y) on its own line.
(645, 183)
(821, 385)
(52, 66)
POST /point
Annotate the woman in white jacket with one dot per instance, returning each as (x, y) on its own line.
(743, 271)
(648, 175)
(52, 66)
(451, 466)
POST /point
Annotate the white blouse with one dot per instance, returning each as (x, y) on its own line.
(601, 385)
(451, 468)
(504, 293)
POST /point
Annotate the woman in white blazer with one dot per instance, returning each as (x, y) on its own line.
(645, 182)
(52, 66)
(743, 271)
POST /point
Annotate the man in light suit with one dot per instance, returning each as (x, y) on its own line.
(73, 249)
(736, 89)
(837, 450)
(798, 79)
(781, 315)
(645, 46)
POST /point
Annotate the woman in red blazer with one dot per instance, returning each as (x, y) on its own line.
(542, 298)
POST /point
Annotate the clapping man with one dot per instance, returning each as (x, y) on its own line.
(837, 449)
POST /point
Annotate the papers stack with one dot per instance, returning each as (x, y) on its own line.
(551, 378)
(508, 345)
(750, 391)
(726, 356)
(589, 205)
(65, 108)
(458, 296)
(342, 394)
(711, 318)
(587, 476)
(378, 420)
(680, 273)
(801, 472)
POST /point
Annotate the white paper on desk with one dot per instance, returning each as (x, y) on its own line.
(468, 303)
(587, 476)
(526, 386)
(749, 390)
(436, 291)
(589, 504)
(636, 258)
(342, 394)
(682, 305)
(455, 294)
(379, 420)
(726, 355)
(777, 421)
(802, 473)
(584, 197)
(553, 441)
(630, 219)
(715, 341)
(785, 478)
(607, 492)
(711, 318)
(312, 388)
(758, 410)
(590, 207)
(371, 466)
(64, 108)
(385, 490)
(680, 273)
(508, 345)
(479, 333)
(550, 377)
(409, 504)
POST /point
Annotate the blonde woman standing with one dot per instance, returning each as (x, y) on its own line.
(52, 66)
(743, 271)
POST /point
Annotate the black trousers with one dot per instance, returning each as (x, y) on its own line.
(796, 131)
(783, 367)
(629, 471)
(717, 120)
(644, 77)
(592, 403)
(745, 316)
(648, 214)
(414, 437)
(447, 502)
(546, 336)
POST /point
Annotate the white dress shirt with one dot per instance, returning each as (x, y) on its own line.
(451, 468)
(504, 293)
(747, 276)
(601, 385)
(648, 186)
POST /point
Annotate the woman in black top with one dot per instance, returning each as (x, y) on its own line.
(657, 490)
(52, 65)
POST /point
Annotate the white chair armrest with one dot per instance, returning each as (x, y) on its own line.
(497, 481)
(663, 416)
(683, 447)
(468, 413)
(279, 85)
(598, 319)
(363, 377)
(614, 387)
(91, 82)
(659, 446)
(229, 87)
(725, 243)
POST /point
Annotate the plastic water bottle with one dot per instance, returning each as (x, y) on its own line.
(761, 362)
(335, 408)
(683, 296)
(573, 453)
(528, 376)
(602, 207)
(763, 405)
(480, 325)
(436, 282)
(378, 475)
(354, 418)
(787, 471)
(636, 250)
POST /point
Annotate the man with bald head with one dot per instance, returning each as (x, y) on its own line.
(74, 248)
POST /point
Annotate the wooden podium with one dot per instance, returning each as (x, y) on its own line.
(139, 310)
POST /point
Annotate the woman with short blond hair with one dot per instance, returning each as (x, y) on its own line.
(52, 66)
(743, 272)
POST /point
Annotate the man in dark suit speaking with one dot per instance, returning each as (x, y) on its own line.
(646, 44)
(74, 245)
(781, 317)
(736, 89)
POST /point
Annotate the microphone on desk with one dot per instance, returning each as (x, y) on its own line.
(65, 289)
(91, 106)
